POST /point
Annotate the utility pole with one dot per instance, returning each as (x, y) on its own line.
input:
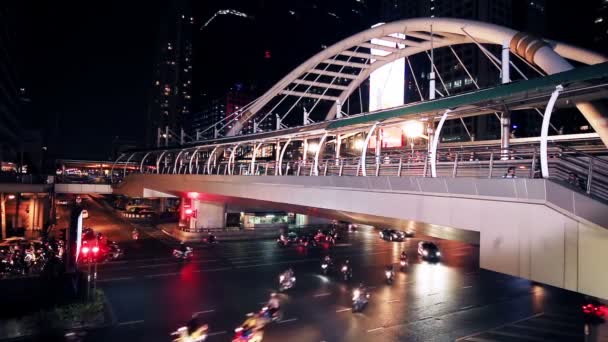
(3, 210)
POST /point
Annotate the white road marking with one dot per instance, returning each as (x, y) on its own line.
(216, 333)
(213, 269)
(393, 300)
(131, 322)
(175, 263)
(114, 279)
(466, 307)
(287, 320)
(467, 287)
(375, 329)
(342, 310)
(204, 312)
(322, 294)
(161, 275)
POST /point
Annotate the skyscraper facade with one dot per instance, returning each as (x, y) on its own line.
(600, 26)
(171, 100)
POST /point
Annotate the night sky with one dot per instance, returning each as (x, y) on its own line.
(88, 66)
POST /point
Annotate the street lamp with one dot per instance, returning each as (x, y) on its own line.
(413, 129)
(11, 197)
(313, 148)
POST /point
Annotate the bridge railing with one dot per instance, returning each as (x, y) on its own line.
(582, 171)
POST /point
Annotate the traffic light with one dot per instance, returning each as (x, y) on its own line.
(594, 313)
(189, 212)
(85, 250)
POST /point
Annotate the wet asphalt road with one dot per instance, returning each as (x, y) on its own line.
(152, 294)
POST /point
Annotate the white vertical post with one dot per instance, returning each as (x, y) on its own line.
(433, 152)
(305, 117)
(506, 73)
(505, 133)
(338, 145)
(316, 164)
(166, 136)
(544, 132)
(338, 109)
(278, 118)
(364, 150)
(305, 152)
(432, 73)
(158, 135)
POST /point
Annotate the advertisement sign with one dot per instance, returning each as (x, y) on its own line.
(386, 84)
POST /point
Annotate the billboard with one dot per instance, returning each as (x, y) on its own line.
(386, 84)
(391, 137)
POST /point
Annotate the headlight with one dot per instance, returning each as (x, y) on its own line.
(438, 253)
(356, 294)
(425, 253)
(388, 274)
(344, 268)
(402, 262)
(281, 278)
(324, 266)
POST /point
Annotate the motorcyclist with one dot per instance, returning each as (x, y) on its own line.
(135, 234)
(327, 260)
(195, 327)
(210, 238)
(182, 247)
(273, 304)
(403, 256)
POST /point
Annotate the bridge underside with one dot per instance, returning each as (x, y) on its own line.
(531, 228)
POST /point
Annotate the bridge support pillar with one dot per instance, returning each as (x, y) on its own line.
(209, 214)
(307, 220)
(505, 134)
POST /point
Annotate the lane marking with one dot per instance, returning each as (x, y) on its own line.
(467, 287)
(213, 269)
(176, 263)
(216, 333)
(432, 294)
(161, 275)
(342, 310)
(375, 329)
(204, 312)
(393, 300)
(287, 320)
(466, 307)
(114, 279)
(322, 294)
(131, 322)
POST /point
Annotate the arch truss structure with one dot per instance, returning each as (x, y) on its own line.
(327, 85)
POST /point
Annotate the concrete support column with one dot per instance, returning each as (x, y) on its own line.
(305, 152)
(307, 220)
(430, 132)
(505, 134)
(209, 214)
(162, 205)
(338, 146)
(378, 150)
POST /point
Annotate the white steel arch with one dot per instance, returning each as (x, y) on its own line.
(421, 34)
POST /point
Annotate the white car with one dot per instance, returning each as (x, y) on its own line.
(85, 213)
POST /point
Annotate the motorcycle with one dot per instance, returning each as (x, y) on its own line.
(135, 235)
(347, 272)
(389, 275)
(268, 317)
(286, 282)
(247, 335)
(210, 240)
(113, 251)
(182, 335)
(360, 300)
(403, 264)
(183, 254)
(325, 267)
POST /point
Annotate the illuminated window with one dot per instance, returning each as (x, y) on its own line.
(457, 83)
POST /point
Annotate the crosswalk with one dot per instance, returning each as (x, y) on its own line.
(557, 327)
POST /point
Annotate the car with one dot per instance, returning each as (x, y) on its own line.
(428, 250)
(85, 213)
(392, 235)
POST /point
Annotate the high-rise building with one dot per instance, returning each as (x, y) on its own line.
(600, 26)
(171, 104)
(452, 78)
(220, 108)
(10, 90)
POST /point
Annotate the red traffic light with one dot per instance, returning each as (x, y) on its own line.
(85, 250)
(188, 212)
(95, 249)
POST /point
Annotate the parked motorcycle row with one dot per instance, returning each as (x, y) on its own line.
(23, 257)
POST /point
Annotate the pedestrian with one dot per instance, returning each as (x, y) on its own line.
(510, 173)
